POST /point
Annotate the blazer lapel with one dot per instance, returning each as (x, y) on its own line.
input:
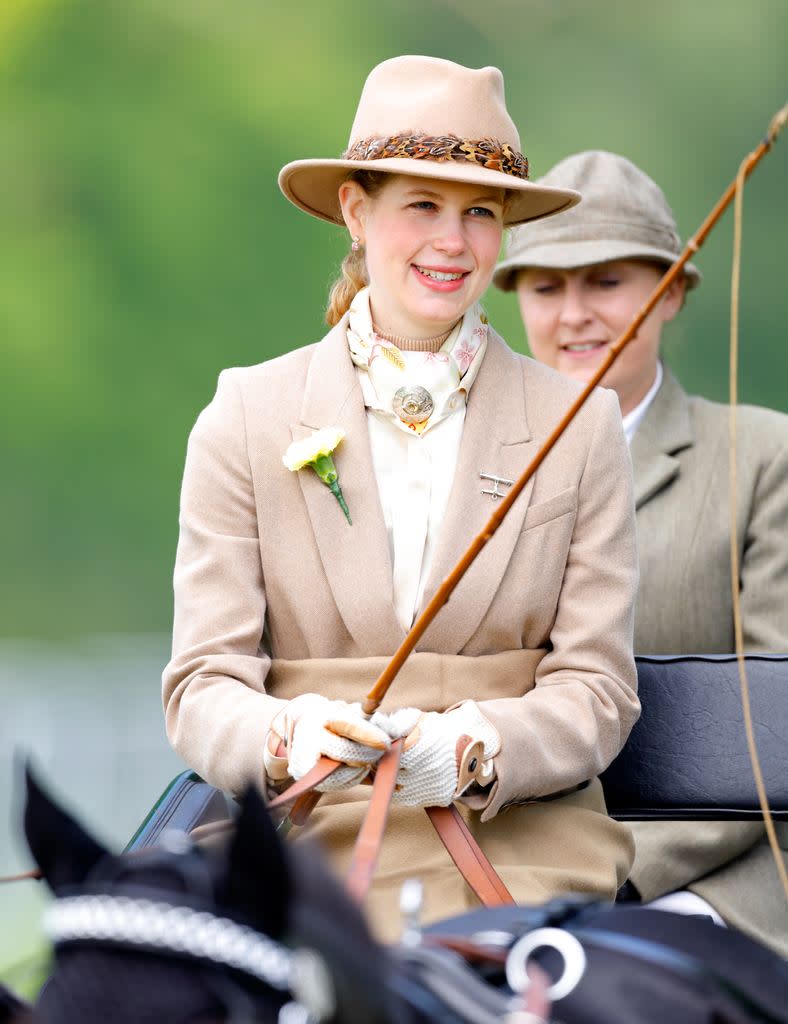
(500, 444)
(666, 430)
(333, 397)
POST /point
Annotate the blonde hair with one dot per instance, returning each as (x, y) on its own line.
(344, 289)
(354, 265)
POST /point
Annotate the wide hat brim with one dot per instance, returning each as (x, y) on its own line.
(582, 253)
(313, 185)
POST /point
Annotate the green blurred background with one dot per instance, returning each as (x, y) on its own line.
(145, 244)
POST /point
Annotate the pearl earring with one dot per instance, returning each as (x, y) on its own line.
(356, 245)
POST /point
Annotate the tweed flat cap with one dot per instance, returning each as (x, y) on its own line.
(624, 215)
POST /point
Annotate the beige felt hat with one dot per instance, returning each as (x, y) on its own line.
(624, 215)
(429, 118)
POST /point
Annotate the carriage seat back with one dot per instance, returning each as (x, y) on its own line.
(687, 756)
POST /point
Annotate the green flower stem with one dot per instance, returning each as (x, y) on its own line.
(326, 470)
(336, 490)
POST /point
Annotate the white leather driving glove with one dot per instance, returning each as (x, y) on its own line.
(434, 769)
(310, 726)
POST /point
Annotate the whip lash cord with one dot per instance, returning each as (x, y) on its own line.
(777, 124)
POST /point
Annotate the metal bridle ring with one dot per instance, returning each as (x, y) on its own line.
(564, 943)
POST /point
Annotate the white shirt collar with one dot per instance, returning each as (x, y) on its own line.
(633, 419)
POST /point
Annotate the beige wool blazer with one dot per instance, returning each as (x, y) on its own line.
(680, 461)
(275, 594)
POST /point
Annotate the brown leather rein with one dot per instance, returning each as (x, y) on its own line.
(470, 859)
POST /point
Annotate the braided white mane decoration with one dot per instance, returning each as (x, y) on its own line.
(181, 930)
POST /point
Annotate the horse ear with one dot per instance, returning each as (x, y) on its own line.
(12, 1009)
(257, 882)
(64, 852)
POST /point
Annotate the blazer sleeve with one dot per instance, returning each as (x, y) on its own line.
(584, 704)
(216, 709)
(764, 560)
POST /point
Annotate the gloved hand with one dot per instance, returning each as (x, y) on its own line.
(311, 725)
(435, 769)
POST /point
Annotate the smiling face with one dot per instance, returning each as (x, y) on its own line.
(573, 316)
(430, 248)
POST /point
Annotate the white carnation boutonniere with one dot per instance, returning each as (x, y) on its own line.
(316, 451)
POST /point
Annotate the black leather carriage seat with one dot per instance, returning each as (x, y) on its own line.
(187, 802)
(687, 756)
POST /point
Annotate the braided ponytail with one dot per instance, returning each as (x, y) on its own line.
(344, 289)
(354, 266)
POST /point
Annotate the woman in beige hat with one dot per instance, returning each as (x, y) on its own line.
(294, 587)
(581, 277)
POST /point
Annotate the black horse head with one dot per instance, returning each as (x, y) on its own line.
(257, 930)
(185, 933)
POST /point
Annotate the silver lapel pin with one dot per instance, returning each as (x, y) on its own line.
(494, 492)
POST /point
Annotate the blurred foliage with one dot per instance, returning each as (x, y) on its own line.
(25, 977)
(146, 245)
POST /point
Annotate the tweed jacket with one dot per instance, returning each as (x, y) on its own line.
(275, 594)
(680, 462)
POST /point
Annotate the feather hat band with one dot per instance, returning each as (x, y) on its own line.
(429, 118)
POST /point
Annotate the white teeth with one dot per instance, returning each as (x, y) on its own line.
(586, 346)
(437, 275)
